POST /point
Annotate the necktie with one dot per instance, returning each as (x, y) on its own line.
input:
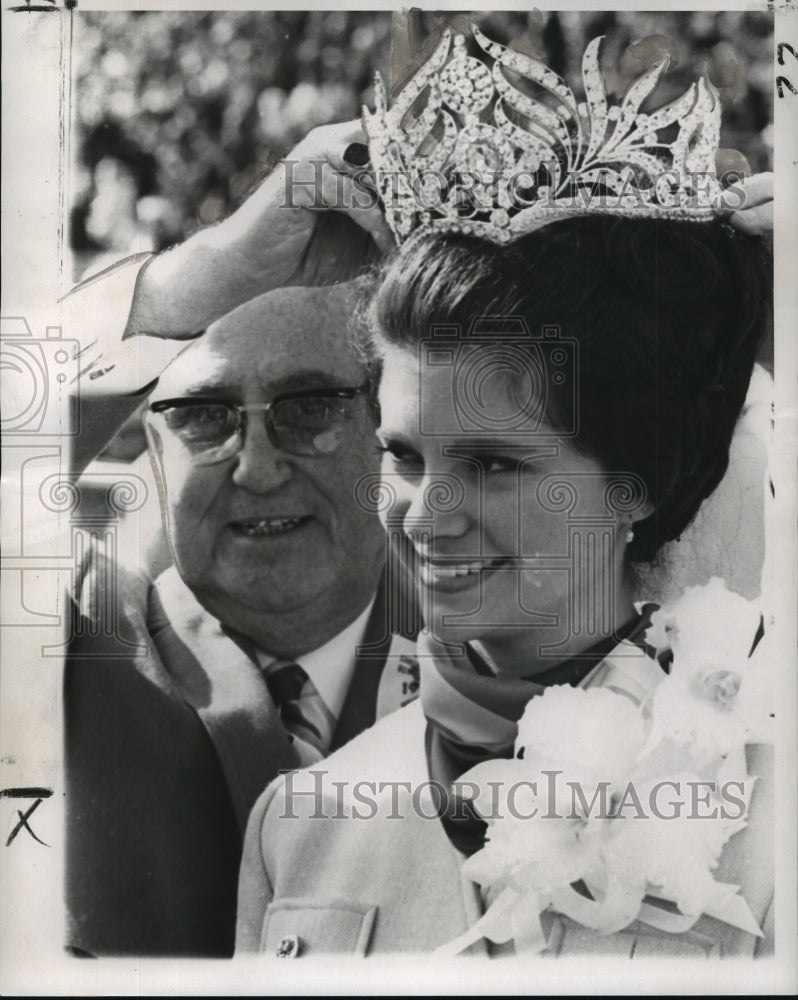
(307, 719)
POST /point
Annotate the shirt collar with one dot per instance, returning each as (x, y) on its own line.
(330, 667)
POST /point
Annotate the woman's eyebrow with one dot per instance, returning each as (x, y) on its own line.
(515, 446)
(402, 440)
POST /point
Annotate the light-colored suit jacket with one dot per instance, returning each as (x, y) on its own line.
(346, 857)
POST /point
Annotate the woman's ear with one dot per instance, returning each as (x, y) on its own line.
(626, 527)
(645, 510)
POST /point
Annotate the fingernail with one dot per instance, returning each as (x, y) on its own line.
(356, 154)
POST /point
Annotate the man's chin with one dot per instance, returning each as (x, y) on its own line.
(267, 598)
(231, 589)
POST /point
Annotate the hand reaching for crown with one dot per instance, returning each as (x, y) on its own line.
(263, 244)
(748, 204)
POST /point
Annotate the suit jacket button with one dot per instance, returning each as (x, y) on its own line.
(288, 947)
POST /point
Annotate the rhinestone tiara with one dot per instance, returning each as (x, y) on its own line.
(466, 149)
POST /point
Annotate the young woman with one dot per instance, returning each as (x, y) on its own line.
(502, 476)
(555, 408)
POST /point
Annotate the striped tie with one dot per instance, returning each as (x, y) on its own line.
(307, 719)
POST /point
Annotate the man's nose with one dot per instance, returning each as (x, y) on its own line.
(260, 466)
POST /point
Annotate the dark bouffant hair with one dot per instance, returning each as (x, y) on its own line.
(667, 315)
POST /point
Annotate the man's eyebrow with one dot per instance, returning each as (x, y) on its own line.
(210, 387)
(312, 378)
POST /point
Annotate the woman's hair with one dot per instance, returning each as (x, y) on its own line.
(667, 317)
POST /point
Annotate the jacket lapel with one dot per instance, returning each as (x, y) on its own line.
(226, 689)
(385, 676)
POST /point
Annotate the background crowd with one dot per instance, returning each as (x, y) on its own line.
(178, 114)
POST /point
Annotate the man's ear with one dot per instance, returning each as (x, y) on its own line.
(155, 455)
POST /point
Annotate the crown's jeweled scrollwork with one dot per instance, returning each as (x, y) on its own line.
(483, 156)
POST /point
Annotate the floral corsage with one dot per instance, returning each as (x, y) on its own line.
(615, 810)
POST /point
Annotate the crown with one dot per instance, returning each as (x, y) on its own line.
(465, 149)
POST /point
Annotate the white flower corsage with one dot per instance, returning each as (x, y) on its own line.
(613, 811)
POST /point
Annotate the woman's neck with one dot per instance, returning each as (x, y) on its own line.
(532, 651)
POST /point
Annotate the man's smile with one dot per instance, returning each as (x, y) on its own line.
(265, 527)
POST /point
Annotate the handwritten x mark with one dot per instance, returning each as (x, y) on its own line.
(39, 794)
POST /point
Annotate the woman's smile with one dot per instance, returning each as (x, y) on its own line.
(453, 574)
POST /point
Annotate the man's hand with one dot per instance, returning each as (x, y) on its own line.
(262, 245)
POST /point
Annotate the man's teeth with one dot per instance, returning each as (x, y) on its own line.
(450, 571)
(268, 525)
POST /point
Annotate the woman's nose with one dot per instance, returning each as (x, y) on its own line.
(259, 465)
(436, 504)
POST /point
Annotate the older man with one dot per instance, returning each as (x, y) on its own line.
(269, 642)
(260, 432)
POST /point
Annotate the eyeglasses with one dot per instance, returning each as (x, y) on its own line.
(309, 423)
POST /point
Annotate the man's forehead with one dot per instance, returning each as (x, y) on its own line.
(282, 339)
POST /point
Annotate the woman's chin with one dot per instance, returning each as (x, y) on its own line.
(459, 623)
(481, 595)
(473, 605)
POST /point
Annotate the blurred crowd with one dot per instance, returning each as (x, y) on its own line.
(177, 115)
